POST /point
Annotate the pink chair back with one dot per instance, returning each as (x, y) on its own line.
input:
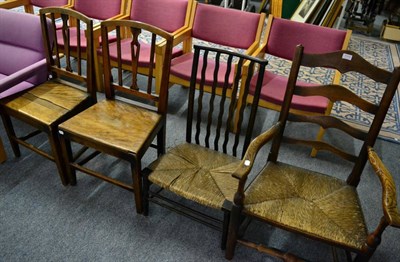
(285, 35)
(225, 26)
(98, 9)
(46, 3)
(168, 15)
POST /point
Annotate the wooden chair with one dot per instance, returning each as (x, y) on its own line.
(315, 205)
(69, 91)
(200, 169)
(30, 4)
(172, 16)
(237, 30)
(140, 113)
(315, 39)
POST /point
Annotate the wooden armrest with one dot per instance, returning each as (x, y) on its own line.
(389, 200)
(13, 3)
(180, 35)
(248, 160)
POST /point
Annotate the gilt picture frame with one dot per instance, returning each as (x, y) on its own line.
(305, 10)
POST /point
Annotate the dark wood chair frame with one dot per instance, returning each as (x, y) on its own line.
(344, 61)
(128, 97)
(199, 128)
(60, 75)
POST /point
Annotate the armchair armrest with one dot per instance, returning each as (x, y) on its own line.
(13, 3)
(21, 75)
(248, 160)
(389, 201)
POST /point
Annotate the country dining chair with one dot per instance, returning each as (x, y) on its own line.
(324, 207)
(238, 31)
(67, 92)
(200, 168)
(279, 47)
(127, 122)
(172, 16)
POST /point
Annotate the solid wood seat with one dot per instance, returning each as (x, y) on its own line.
(70, 90)
(49, 102)
(286, 195)
(119, 125)
(132, 118)
(197, 173)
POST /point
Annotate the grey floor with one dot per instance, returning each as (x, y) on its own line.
(41, 220)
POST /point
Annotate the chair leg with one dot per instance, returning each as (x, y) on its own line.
(146, 195)
(234, 224)
(68, 158)
(3, 155)
(11, 134)
(320, 134)
(57, 154)
(137, 184)
(161, 138)
(225, 228)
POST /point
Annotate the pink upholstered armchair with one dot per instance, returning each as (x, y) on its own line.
(22, 55)
(30, 4)
(172, 16)
(228, 28)
(281, 38)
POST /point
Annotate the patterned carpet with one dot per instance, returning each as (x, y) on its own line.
(382, 54)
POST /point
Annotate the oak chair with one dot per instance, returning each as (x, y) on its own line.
(237, 30)
(172, 16)
(200, 169)
(68, 91)
(30, 4)
(315, 39)
(127, 122)
(319, 206)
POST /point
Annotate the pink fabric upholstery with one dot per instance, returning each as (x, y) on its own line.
(74, 38)
(45, 3)
(168, 15)
(285, 35)
(21, 45)
(98, 9)
(274, 88)
(182, 67)
(144, 58)
(225, 26)
(15, 89)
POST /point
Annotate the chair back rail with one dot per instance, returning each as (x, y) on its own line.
(217, 120)
(344, 61)
(116, 85)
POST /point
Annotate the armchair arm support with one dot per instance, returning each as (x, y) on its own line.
(248, 160)
(13, 4)
(389, 201)
(21, 75)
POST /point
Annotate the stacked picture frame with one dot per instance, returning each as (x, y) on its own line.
(318, 12)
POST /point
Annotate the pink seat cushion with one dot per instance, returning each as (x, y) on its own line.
(225, 26)
(274, 88)
(15, 89)
(99, 9)
(182, 68)
(44, 3)
(315, 39)
(168, 15)
(144, 56)
(74, 38)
